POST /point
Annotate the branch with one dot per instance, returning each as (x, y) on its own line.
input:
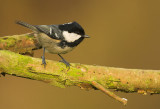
(85, 76)
(23, 44)
(111, 94)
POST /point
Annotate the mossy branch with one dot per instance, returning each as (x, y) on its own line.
(23, 44)
(85, 76)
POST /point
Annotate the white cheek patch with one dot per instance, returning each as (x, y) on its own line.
(70, 37)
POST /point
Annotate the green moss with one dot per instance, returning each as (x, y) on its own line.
(19, 62)
(8, 41)
(24, 60)
(74, 72)
(148, 82)
(29, 36)
(111, 82)
(16, 61)
(11, 42)
(69, 82)
(131, 89)
(125, 87)
(61, 66)
(58, 84)
(17, 67)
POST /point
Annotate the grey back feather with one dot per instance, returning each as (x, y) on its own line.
(50, 30)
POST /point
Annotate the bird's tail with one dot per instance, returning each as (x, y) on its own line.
(32, 27)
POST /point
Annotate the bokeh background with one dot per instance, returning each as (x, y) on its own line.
(124, 33)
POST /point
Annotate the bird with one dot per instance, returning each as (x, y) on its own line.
(57, 38)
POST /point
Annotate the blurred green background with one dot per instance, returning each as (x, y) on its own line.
(124, 33)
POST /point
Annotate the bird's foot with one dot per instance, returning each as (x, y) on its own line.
(43, 61)
(65, 62)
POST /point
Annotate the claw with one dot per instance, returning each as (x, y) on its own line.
(65, 62)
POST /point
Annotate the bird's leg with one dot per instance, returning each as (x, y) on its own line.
(64, 61)
(43, 58)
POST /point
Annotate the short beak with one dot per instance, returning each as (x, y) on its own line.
(86, 36)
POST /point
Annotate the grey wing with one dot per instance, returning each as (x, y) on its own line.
(51, 30)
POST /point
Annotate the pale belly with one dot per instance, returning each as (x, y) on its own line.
(58, 50)
(50, 45)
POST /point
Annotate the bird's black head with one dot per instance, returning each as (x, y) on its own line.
(72, 27)
(73, 33)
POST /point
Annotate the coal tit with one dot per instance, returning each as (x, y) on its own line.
(57, 39)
